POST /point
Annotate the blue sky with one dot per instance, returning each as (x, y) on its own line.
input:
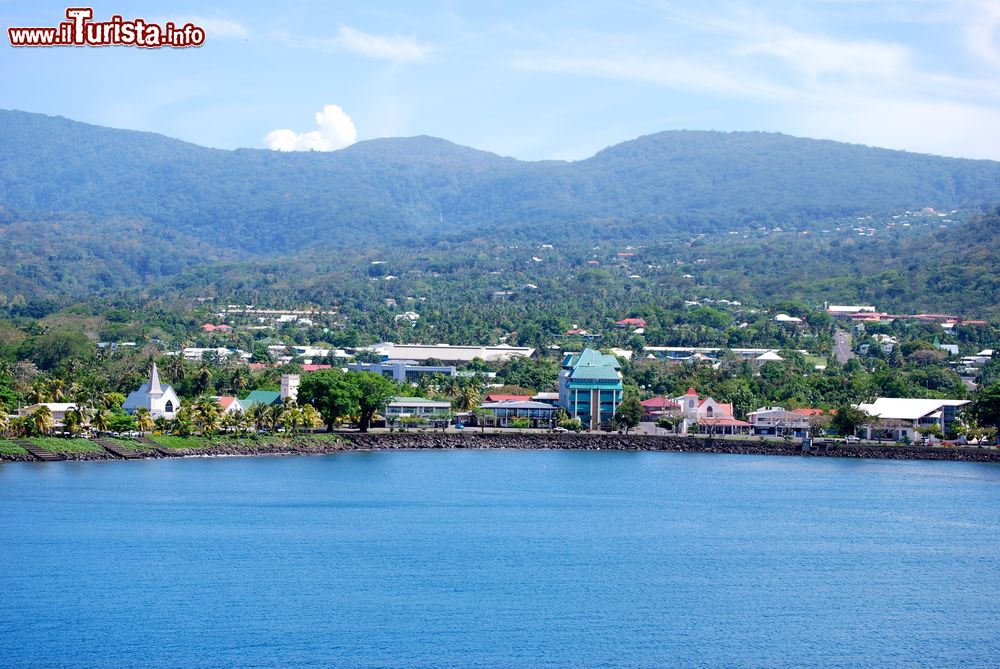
(533, 80)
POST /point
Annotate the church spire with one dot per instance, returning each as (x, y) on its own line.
(154, 382)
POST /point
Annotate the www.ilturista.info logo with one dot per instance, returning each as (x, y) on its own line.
(80, 30)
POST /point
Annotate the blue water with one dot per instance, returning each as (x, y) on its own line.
(500, 559)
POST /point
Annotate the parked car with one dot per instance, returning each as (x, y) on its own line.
(852, 439)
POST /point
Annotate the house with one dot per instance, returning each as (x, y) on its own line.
(57, 409)
(778, 421)
(631, 323)
(402, 407)
(160, 400)
(708, 415)
(590, 387)
(265, 397)
(229, 404)
(659, 406)
(901, 417)
(785, 318)
(770, 356)
(208, 327)
(539, 414)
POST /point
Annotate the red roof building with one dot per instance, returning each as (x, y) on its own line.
(631, 322)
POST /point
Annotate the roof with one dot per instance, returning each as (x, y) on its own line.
(907, 408)
(526, 404)
(404, 402)
(659, 403)
(267, 397)
(422, 352)
(315, 368)
(507, 398)
(811, 412)
(637, 322)
(546, 396)
(226, 401)
(770, 355)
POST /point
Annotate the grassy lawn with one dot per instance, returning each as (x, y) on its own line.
(172, 441)
(61, 445)
(131, 444)
(815, 360)
(10, 448)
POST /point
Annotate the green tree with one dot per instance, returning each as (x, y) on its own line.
(848, 419)
(374, 393)
(331, 393)
(985, 408)
(629, 413)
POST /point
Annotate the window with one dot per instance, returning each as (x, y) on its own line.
(169, 408)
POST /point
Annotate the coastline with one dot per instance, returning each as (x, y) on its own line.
(411, 441)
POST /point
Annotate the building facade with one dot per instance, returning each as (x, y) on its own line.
(159, 399)
(590, 387)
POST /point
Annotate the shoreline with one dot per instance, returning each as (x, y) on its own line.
(418, 441)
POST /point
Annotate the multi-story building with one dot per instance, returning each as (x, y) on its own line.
(590, 387)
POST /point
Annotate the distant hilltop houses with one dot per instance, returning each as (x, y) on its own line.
(869, 314)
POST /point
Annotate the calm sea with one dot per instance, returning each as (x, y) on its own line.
(500, 559)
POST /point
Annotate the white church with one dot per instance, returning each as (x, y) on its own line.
(161, 400)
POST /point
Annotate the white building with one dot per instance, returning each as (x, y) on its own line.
(900, 416)
(421, 353)
(160, 400)
(58, 410)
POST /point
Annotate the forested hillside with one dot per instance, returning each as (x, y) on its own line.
(88, 210)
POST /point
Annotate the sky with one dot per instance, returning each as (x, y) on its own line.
(533, 80)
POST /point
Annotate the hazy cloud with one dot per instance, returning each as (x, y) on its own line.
(335, 130)
(383, 47)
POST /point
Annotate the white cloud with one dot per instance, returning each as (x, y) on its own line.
(982, 32)
(816, 55)
(383, 47)
(393, 48)
(335, 131)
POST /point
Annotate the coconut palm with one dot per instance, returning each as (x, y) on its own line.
(100, 420)
(4, 422)
(144, 420)
(311, 419)
(291, 418)
(258, 415)
(274, 413)
(467, 397)
(41, 420)
(207, 413)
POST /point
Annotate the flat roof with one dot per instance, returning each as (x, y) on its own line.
(905, 408)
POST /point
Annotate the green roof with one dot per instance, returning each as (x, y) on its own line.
(591, 365)
(261, 397)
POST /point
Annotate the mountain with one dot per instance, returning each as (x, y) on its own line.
(85, 207)
(263, 201)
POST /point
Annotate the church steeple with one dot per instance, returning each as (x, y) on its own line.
(154, 382)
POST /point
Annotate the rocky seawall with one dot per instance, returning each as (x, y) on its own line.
(472, 440)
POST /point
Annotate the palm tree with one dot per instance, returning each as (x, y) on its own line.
(290, 419)
(4, 422)
(467, 397)
(207, 413)
(75, 419)
(258, 415)
(310, 417)
(274, 413)
(100, 420)
(41, 419)
(57, 389)
(144, 420)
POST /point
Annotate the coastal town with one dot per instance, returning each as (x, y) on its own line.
(296, 388)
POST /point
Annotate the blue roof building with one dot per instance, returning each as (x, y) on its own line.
(590, 387)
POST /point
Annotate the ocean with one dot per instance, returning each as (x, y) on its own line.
(500, 559)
